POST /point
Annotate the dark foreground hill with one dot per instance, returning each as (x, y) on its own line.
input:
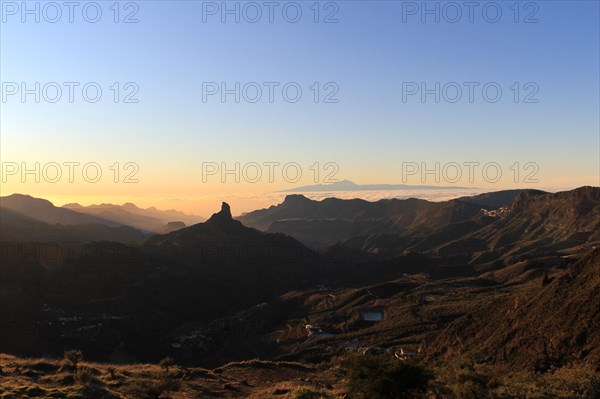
(118, 301)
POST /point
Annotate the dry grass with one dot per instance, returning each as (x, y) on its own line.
(22, 378)
(500, 382)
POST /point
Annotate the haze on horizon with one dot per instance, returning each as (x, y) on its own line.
(206, 205)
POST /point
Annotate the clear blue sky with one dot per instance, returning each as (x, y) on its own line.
(369, 53)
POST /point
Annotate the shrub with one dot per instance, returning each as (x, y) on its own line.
(469, 384)
(304, 393)
(151, 389)
(593, 389)
(84, 376)
(166, 363)
(112, 372)
(74, 357)
(384, 377)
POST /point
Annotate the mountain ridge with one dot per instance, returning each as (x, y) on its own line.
(149, 219)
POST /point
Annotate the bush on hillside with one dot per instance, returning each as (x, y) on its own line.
(385, 377)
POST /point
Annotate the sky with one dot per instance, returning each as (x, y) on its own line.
(501, 95)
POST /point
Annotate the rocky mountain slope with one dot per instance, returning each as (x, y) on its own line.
(551, 323)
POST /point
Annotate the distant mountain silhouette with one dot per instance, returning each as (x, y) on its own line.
(44, 211)
(149, 219)
(347, 185)
(24, 218)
